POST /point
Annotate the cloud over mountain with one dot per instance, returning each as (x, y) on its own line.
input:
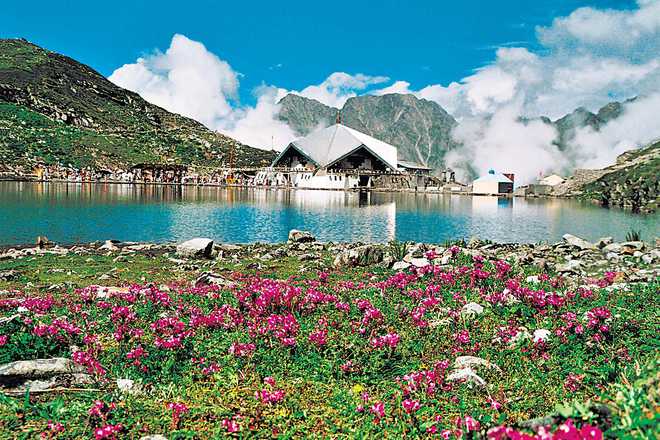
(587, 59)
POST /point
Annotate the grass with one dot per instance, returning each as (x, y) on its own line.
(322, 392)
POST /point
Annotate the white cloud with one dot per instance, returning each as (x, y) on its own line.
(190, 80)
(186, 79)
(589, 58)
(339, 87)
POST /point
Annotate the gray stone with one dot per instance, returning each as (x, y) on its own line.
(578, 242)
(468, 376)
(364, 255)
(8, 275)
(109, 245)
(419, 262)
(213, 279)
(400, 265)
(571, 266)
(41, 375)
(297, 236)
(195, 248)
(613, 247)
(472, 309)
(604, 241)
(153, 437)
(462, 362)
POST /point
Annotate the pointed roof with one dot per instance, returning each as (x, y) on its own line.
(328, 145)
(492, 176)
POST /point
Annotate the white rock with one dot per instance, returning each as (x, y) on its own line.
(462, 362)
(578, 242)
(419, 262)
(297, 236)
(532, 279)
(400, 265)
(541, 335)
(472, 309)
(197, 247)
(468, 375)
(125, 385)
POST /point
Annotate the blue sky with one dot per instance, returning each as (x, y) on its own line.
(295, 43)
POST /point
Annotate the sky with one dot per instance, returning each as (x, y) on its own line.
(488, 63)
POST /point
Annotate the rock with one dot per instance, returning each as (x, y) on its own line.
(41, 375)
(296, 236)
(462, 362)
(612, 256)
(613, 247)
(571, 266)
(604, 241)
(153, 437)
(472, 309)
(541, 335)
(8, 275)
(195, 248)
(213, 279)
(42, 241)
(109, 245)
(532, 279)
(651, 257)
(364, 255)
(638, 254)
(578, 242)
(466, 375)
(419, 262)
(400, 265)
(309, 257)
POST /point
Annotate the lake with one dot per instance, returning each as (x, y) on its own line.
(75, 212)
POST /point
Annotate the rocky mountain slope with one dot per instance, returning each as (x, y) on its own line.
(631, 183)
(567, 125)
(57, 110)
(420, 129)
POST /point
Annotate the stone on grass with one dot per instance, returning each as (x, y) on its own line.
(472, 309)
(541, 335)
(365, 255)
(578, 242)
(195, 248)
(468, 376)
(462, 362)
(297, 236)
(400, 265)
(419, 262)
(40, 375)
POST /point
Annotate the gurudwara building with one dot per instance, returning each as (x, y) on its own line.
(339, 157)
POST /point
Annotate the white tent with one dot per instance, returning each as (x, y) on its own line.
(328, 146)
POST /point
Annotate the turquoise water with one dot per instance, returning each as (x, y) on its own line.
(70, 213)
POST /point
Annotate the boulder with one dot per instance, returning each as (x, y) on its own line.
(364, 255)
(541, 335)
(612, 247)
(297, 236)
(419, 262)
(468, 376)
(462, 362)
(578, 242)
(8, 275)
(213, 279)
(472, 309)
(195, 248)
(604, 241)
(571, 266)
(109, 245)
(41, 375)
(400, 265)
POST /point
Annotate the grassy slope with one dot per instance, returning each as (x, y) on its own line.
(319, 398)
(57, 110)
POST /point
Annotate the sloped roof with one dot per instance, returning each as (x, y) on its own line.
(328, 145)
(413, 165)
(492, 176)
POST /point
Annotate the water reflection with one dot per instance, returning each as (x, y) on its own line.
(85, 212)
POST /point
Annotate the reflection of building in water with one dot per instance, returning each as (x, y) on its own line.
(489, 204)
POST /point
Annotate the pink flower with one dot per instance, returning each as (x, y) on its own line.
(3, 340)
(231, 425)
(378, 409)
(410, 406)
(108, 431)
